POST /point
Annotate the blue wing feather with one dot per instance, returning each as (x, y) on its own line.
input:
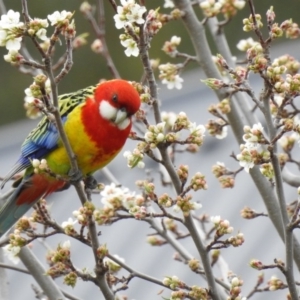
(44, 138)
(39, 143)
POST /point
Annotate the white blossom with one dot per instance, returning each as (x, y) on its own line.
(66, 245)
(11, 56)
(215, 219)
(10, 20)
(245, 163)
(41, 34)
(169, 118)
(59, 17)
(173, 82)
(253, 135)
(11, 42)
(131, 47)
(175, 40)
(196, 205)
(129, 12)
(244, 45)
(141, 165)
(136, 15)
(135, 158)
(223, 134)
(78, 215)
(168, 4)
(239, 4)
(111, 193)
(70, 222)
(199, 129)
(120, 18)
(11, 31)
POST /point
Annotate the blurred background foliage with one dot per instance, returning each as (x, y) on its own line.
(89, 67)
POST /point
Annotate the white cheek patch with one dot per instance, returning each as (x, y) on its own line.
(107, 111)
(122, 125)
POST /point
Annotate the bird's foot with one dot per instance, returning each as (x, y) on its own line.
(90, 182)
(75, 177)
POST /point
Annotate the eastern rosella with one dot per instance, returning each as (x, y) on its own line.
(97, 122)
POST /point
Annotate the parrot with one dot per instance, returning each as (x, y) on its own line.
(97, 121)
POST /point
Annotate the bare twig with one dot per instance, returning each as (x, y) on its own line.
(99, 29)
(68, 63)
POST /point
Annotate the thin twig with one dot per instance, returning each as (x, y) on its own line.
(69, 61)
(99, 29)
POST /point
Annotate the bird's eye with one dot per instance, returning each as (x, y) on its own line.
(115, 98)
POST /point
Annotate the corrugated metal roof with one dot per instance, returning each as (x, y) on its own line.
(127, 238)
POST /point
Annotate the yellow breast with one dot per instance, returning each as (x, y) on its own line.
(89, 156)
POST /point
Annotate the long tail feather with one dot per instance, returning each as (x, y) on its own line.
(14, 204)
(10, 213)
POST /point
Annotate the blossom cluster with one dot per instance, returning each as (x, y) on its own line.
(275, 284)
(221, 173)
(112, 265)
(228, 8)
(16, 242)
(256, 264)
(12, 30)
(68, 226)
(82, 215)
(235, 289)
(291, 29)
(237, 240)
(185, 205)
(198, 182)
(222, 227)
(252, 152)
(170, 47)
(287, 142)
(135, 158)
(251, 23)
(60, 264)
(114, 198)
(33, 96)
(196, 135)
(195, 292)
(170, 76)
(166, 131)
(39, 165)
(282, 72)
(129, 14)
(155, 134)
(245, 45)
(248, 213)
(217, 128)
(173, 282)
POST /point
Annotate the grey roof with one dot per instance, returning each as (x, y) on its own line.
(127, 238)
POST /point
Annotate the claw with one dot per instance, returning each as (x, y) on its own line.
(75, 177)
(90, 182)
